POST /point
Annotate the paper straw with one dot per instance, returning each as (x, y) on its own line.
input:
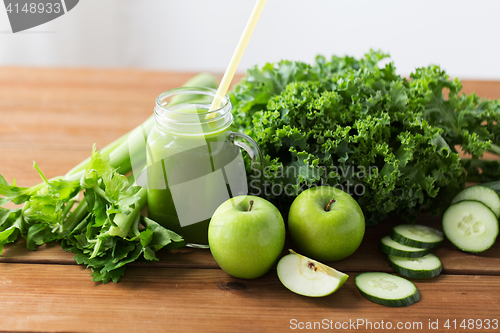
(238, 53)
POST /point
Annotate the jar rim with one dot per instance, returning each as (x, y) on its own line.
(191, 90)
(174, 118)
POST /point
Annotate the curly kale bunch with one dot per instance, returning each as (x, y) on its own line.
(387, 141)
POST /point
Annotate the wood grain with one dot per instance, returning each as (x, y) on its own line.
(62, 298)
(54, 116)
(366, 258)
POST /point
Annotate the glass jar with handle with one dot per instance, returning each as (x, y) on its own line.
(194, 161)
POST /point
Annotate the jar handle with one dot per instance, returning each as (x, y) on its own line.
(252, 148)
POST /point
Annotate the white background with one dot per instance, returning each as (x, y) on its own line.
(195, 35)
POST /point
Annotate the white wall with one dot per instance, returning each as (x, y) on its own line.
(460, 35)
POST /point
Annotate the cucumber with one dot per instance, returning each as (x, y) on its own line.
(495, 186)
(480, 193)
(419, 268)
(388, 246)
(470, 225)
(387, 289)
(416, 235)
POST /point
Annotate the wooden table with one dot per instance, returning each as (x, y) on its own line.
(54, 116)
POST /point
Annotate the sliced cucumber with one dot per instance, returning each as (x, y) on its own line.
(495, 186)
(416, 235)
(387, 289)
(420, 268)
(470, 225)
(387, 245)
(480, 193)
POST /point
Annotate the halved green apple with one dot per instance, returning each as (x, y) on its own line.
(308, 277)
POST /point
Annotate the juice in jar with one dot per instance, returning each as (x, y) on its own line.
(192, 178)
(194, 165)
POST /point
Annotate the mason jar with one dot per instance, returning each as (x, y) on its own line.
(194, 161)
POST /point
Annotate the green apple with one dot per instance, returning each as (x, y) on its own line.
(326, 223)
(308, 277)
(246, 236)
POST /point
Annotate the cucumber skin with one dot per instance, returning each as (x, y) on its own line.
(459, 247)
(415, 274)
(492, 186)
(395, 303)
(495, 186)
(399, 253)
(413, 243)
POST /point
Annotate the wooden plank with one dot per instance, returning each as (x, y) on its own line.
(86, 85)
(53, 162)
(54, 116)
(483, 88)
(62, 298)
(366, 258)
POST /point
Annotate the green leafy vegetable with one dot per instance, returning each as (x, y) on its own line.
(113, 233)
(47, 205)
(105, 230)
(388, 141)
(467, 121)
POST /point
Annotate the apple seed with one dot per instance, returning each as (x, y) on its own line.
(311, 266)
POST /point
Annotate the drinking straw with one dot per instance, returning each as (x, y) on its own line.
(238, 53)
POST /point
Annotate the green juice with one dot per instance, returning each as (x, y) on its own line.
(188, 178)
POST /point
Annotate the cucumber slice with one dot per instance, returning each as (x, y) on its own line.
(420, 268)
(471, 226)
(388, 246)
(387, 289)
(416, 235)
(482, 194)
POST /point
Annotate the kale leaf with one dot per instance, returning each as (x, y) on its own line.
(388, 141)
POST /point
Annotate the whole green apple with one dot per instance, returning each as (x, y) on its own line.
(326, 223)
(246, 236)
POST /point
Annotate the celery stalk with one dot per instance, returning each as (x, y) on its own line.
(131, 145)
(106, 150)
(123, 152)
(120, 152)
(124, 222)
(50, 201)
(76, 216)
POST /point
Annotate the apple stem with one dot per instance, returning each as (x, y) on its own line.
(251, 205)
(329, 204)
